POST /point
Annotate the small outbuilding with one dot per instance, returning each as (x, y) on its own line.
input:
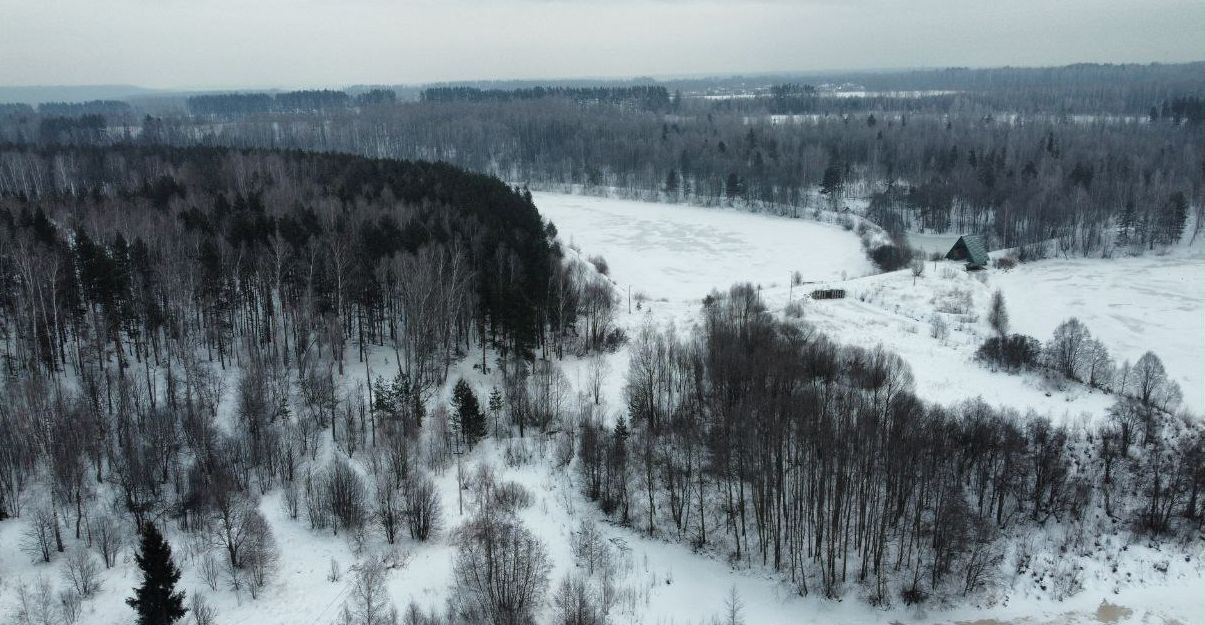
(971, 248)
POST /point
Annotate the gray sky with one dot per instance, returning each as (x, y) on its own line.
(309, 43)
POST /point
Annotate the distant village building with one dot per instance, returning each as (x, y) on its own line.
(970, 248)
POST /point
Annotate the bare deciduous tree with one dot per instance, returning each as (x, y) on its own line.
(82, 572)
(501, 570)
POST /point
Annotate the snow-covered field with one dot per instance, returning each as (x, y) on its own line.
(1133, 305)
(678, 253)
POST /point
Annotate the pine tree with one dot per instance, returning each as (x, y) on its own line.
(468, 413)
(734, 187)
(831, 183)
(671, 182)
(157, 601)
(1173, 218)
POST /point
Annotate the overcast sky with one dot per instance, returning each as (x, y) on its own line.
(310, 43)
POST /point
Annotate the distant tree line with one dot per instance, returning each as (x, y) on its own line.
(644, 97)
(1182, 109)
(92, 107)
(306, 101)
(15, 108)
(1118, 167)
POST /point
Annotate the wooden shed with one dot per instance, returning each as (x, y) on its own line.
(971, 248)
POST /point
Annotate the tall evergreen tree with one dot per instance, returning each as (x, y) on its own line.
(831, 182)
(157, 601)
(1173, 218)
(468, 413)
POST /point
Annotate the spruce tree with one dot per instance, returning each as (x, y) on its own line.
(1175, 215)
(157, 601)
(468, 413)
(830, 184)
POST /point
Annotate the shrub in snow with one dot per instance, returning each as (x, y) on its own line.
(369, 603)
(1067, 579)
(202, 612)
(496, 496)
(424, 511)
(918, 269)
(938, 328)
(501, 571)
(590, 550)
(337, 498)
(600, 265)
(211, 570)
(1012, 352)
(956, 301)
(890, 257)
(576, 602)
(70, 606)
(108, 537)
(82, 573)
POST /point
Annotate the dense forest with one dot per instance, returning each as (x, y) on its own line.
(180, 327)
(1102, 158)
(766, 439)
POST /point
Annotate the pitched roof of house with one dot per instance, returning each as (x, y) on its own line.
(976, 249)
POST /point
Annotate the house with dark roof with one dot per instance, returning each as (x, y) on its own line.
(972, 249)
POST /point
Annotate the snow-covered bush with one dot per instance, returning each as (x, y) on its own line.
(1005, 263)
(590, 550)
(501, 571)
(938, 328)
(82, 572)
(424, 511)
(1012, 352)
(576, 602)
(600, 265)
(956, 301)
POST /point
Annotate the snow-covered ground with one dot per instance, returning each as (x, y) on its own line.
(674, 255)
(680, 253)
(1136, 304)
(671, 253)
